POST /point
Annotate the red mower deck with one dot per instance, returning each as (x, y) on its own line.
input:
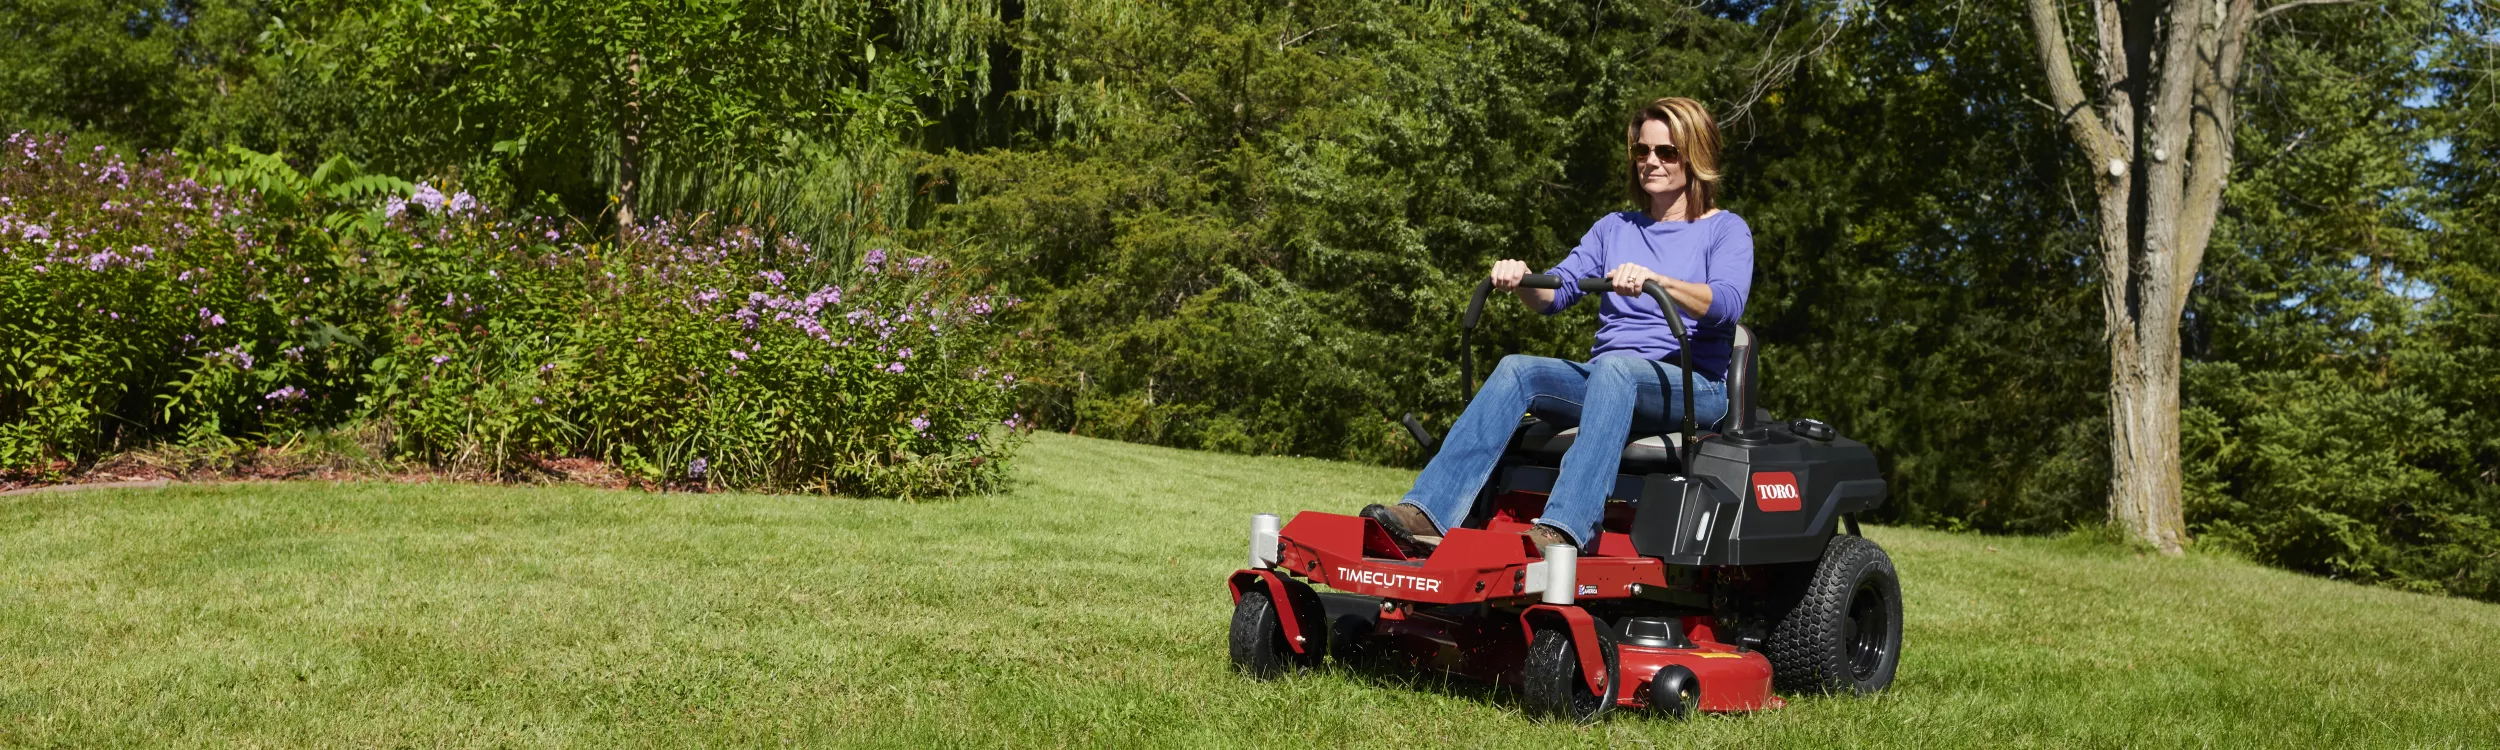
(1496, 568)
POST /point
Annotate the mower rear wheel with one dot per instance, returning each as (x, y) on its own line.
(1844, 635)
(1551, 684)
(1258, 640)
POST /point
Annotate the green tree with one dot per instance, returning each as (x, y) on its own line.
(1252, 227)
(618, 93)
(2159, 135)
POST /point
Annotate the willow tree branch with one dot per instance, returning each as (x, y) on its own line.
(2278, 8)
(2215, 141)
(1281, 45)
(2048, 30)
(2110, 32)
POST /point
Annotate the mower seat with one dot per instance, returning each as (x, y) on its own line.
(1656, 453)
(1645, 454)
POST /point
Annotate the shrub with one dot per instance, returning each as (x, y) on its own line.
(142, 305)
(688, 351)
(134, 302)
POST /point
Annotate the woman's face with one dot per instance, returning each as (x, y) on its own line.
(1657, 177)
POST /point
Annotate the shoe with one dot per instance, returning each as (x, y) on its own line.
(1544, 536)
(1404, 523)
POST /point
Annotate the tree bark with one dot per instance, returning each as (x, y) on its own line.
(2159, 146)
(629, 149)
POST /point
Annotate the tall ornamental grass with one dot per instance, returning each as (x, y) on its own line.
(139, 305)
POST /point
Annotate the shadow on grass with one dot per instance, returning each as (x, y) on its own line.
(1430, 681)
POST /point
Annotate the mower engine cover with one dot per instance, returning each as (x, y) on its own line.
(1757, 496)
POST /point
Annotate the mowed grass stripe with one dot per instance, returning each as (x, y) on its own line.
(1083, 607)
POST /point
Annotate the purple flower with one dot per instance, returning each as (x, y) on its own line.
(920, 424)
(696, 469)
(896, 367)
(289, 393)
(905, 354)
(439, 359)
(738, 355)
(973, 437)
(34, 232)
(391, 209)
(428, 197)
(918, 264)
(462, 203)
(772, 277)
(875, 257)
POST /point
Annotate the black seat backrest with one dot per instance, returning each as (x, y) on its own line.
(1742, 373)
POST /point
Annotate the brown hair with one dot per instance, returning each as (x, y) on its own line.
(1696, 135)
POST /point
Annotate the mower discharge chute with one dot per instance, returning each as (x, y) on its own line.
(1721, 571)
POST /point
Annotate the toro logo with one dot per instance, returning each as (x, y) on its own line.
(1392, 580)
(1776, 492)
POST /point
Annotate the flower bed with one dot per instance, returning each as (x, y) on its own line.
(139, 305)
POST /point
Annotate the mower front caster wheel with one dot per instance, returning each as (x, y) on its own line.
(1674, 692)
(1258, 634)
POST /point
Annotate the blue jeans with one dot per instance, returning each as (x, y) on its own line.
(1607, 398)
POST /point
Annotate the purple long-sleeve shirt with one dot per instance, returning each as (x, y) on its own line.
(1716, 250)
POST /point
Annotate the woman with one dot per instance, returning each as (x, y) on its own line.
(1701, 256)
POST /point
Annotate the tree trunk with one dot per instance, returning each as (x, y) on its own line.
(2159, 144)
(629, 150)
(2145, 497)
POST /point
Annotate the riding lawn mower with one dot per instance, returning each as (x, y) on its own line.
(1728, 569)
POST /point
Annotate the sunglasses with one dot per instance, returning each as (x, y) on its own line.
(1666, 152)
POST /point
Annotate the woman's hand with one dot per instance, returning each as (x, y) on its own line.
(1628, 278)
(1693, 298)
(1507, 273)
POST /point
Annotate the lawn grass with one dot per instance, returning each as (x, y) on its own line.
(1084, 607)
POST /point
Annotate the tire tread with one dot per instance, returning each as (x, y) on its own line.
(1805, 654)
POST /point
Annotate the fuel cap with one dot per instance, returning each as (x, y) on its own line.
(1813, 429)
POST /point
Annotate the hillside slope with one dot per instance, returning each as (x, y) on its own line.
(1084, 607)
